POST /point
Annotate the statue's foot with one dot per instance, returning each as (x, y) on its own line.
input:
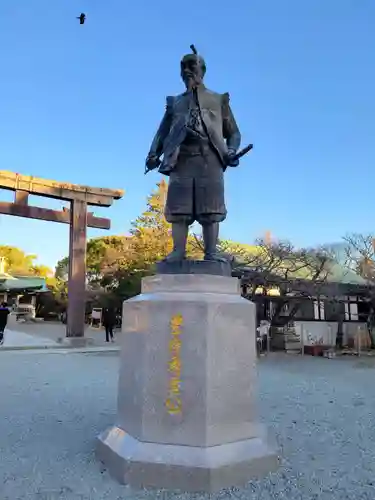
(216, 257)
(175, 256)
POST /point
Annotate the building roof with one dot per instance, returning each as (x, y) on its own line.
(340, 274)
(10, 283)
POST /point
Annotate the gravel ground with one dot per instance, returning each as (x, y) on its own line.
(54, 404)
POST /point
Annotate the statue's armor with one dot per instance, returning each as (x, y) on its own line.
(194, 137)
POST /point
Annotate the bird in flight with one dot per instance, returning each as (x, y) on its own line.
(82, 18)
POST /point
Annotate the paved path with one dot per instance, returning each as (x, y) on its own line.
(46, 334)
(14, 338)
(52, 406)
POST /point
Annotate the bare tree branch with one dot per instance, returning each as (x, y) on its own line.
(359, 254)
(297, 273)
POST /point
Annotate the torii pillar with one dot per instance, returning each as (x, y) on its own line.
(75, 327)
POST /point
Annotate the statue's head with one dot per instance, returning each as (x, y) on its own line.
(193, 69)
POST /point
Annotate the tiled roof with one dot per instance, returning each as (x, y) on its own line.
(9, 283)
(340, 274)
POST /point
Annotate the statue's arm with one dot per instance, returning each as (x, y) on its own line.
(156, 148)
(231, 132)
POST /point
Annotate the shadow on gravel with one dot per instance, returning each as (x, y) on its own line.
(364, 363)
(106, 354)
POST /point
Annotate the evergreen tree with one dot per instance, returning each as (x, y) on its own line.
(152, 237)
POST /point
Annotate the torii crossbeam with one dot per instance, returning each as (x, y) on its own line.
(77, 217)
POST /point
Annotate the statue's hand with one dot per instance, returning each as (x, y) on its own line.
(230, 159)
(152, 161)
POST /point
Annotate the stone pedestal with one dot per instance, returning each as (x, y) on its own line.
(75, 341)
(186, 403)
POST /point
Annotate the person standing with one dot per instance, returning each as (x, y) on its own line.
(109, 322)
(4, 313)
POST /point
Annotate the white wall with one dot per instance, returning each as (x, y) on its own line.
(326, 330)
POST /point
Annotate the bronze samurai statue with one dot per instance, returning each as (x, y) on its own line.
(198, 139)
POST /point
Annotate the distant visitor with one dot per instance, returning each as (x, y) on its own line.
(4, 313)
(109, 322)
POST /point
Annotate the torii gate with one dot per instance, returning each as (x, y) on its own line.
(77, 217)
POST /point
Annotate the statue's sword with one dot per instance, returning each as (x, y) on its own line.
(237, 156)
(243, 152)
(156, 165)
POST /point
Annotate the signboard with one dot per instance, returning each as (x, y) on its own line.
(96, 313)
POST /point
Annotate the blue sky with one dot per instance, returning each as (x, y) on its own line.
(82, 103)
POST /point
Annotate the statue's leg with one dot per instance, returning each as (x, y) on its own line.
(210, 238)
(180, 232)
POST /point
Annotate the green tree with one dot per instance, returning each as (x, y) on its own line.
(152, 238)
(42, 271)
(102, 254)
(19, 263)
(152, 234)
(62, 269)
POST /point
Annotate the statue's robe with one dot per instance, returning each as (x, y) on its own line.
(194, 137)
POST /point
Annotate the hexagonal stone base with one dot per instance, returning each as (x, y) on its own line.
(187, 387)
(186, 468)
